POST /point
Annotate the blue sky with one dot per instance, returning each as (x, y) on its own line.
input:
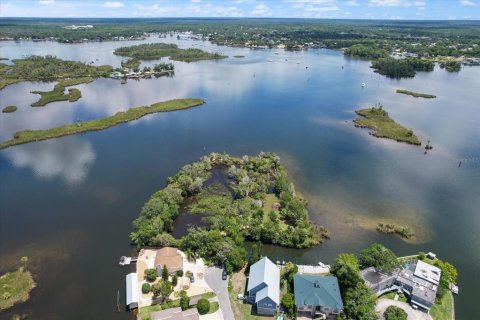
(351, 9)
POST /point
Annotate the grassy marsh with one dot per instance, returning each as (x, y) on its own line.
(416, 94)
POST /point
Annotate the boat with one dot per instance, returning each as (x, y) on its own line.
(363, 84)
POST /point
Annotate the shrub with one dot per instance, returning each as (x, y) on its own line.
(179, 273)
(146, 288)
(395, 313)
(174, 280)
(151, 275)
(421, 255)
(165, 273)
(184, 300)
(203, 306)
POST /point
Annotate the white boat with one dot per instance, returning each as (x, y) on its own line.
(363, 84)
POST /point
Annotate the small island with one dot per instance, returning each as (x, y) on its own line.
(451, 65)
(9, 109)
(416, 94)
(15, 286)
(390, 228)
(383, 126)
(58, 92)
(26, 136)
(48, 68)
(401, 68)
(160, 50)
(248, 198)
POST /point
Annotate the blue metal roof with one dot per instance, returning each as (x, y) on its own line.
(317, 290)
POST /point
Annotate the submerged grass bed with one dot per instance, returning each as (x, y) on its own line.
(383, 126)
(9, 109)
(15, 287)
(416, 94)
(26, 136)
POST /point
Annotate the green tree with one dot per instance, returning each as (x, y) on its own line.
(346, 269)
(146, 288)
(288, 303)
(165, 273)
(256, 253)
(24, 261)
(174, 280)
(359, 303)
(150, 275)
(184, 300)
(395, 313)
(203, 306)
(378, 256)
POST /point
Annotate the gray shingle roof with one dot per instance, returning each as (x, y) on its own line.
(265, 272)
(317, 290)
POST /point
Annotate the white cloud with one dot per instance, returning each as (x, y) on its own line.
(387, 3)
(46, 2)
(320, 9)
(113, 4)
(314, 1)
(468, 3)
(261, 10)
(195, 1)
(351, 3)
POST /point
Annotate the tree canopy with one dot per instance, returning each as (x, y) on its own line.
(378, 256)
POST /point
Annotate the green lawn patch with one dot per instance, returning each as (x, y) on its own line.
(383, 126)
(213, 307)
(9, 109)
(15, 287)
(144, 312)
(416, 94)
(208, 295)
(442, 309)
(26, 136)
(160, 50)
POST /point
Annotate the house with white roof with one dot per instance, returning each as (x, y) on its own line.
(263, 289)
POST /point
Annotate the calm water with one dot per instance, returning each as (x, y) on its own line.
(68, 203)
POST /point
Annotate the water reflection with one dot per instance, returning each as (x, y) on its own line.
(68, 158)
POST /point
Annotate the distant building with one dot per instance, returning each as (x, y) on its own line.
(132, 291)
(417, 279)
(263, 289)
(170, 257)
(316, 296)
(175, 314)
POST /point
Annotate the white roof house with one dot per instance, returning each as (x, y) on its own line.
(264, 286)
(427, 272)
(132, 291)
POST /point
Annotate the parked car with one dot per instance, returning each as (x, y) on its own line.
(192, 279)
(240, 296)
(224, 275)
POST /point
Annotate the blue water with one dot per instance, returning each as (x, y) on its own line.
(68, 203)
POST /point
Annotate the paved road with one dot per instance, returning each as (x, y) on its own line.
(383, 304)
(213, 277)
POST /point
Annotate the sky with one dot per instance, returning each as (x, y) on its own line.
(323, 9)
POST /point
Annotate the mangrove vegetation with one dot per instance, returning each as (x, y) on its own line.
(416, 94)
(26, 136)
(390, 228)
(160, 50)
(377, 119)
(240, 199)
(9, 109)
(401, 68)
(15, 286)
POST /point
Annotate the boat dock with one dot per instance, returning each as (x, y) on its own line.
(308, 269)
(125, 261)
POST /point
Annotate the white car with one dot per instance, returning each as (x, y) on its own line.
(240, 296)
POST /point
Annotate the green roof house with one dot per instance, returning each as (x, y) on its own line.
(317, 296)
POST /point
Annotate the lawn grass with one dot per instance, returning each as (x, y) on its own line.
(442, 309)
(9, 109)
(208, 295)
(26, 136)
(416, 94)
(15, 287)
(213, 307)
(383, 126)
(144, 312)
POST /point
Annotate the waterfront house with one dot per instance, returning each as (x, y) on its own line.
(263, 289)
(175, 314)
(132, 291)
(417, 279)
(317, 296)
(170, 257)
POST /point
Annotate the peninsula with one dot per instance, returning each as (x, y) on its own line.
(160, 50)
(58, 92)
(240, 199)
(416, 94)
(26, 136)
(383, 126)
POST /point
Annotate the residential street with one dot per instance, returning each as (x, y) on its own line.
(213, 277)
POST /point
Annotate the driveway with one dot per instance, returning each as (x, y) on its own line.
(213, 276)
(383, 304)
